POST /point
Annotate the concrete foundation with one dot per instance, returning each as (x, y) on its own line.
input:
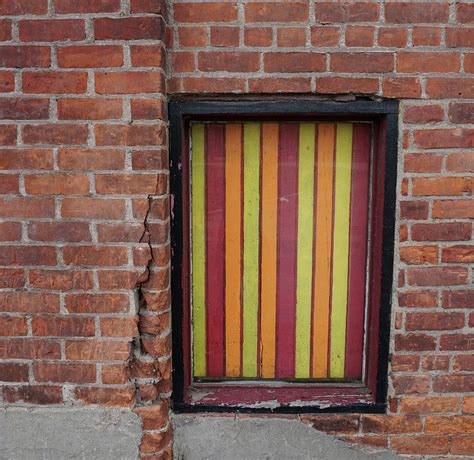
(62, 433)
(221, 438)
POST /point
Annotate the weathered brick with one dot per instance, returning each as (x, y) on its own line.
(52, 30)
(90, 56)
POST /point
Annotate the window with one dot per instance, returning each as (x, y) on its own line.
(282, 253)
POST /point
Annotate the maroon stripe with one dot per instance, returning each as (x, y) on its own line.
(286, 250)
(357, 250)
(215, 250)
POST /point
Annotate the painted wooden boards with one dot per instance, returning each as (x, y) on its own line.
(279, 219)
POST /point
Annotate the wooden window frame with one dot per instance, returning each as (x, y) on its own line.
(327, 397)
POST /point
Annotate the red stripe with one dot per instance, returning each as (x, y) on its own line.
(286, 250)
(357, 250)
(215, 250)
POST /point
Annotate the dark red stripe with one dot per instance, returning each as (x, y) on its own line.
(357, 250)
(215, 250)
(286, 250)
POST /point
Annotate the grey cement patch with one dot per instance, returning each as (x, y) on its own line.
(201, 437)
(63, 433)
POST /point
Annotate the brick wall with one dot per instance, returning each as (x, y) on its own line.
(84, 218)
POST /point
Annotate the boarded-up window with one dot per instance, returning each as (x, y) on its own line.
(279, 241)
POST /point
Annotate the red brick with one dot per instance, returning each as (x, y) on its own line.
(461, 112)
(346, 12)
(28, 255)
(148, 6)
(284, 85)
(323, 36)
(205, 12)
(59, 231)
(129, 82)
(469, 63)
(212, 84)
(390, 424)
(347, 85)
(453, 209)
(435, 363)
(131, 184)
(154, 417)
(20, 7)
(33, 394)
(62, 372)
(294, 62)
(155, 441)
(91, 6)
(276, 11)
(433, 186)
(54, 82)
(24, 108)
(449, 231)
(362, 62)
(63, 327)
(106, 396)
(11, 277)
(468, 405)
(444, 138)
(392, 37)
(12, 326)
(361, 36)
(55, 134)
(29, 302)
(129, 28)
(423, 113)
(120, 279)
(434, 276)
(411, 384)
(13, 372)
(414, 209)
(157, 325)
(419, 254)
(60, 280)
(434, 321)
(95, 256)
(182, 61)
(147, 55)
(225, 36)
(457, 342)
(51, 30)
(7, 82)
(291, 37)
(117, 233)
(458, 299)
(9, 184)
(404, 87)
(465, 12)
(453, 383)
(422, 162)
(229, 61)
(258, 36)
(416, 12)
(157, 347)
(196, 36)
(10, 231)
(56, 184)
(24, 159)
(450, 425)
(97, 350)
(418, 299)
(149, 159)
(405, 363)
(97, 303)
(415, 342)
(420, 444)
(462, 445)
(29, 349)
(119, 327)
(458, 254)
(463, 363)
(130, 135)
(147, 109)
(90, 56)
(91, 159)
(459, 37)
(115, 374)
(93, 208)
(89, 109)
(24, 56)
(452, 87)
(426, 36)
(26, 207)
(8, 135)
(414, 62)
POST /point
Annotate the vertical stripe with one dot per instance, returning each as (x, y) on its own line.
(323, 248)
(340, 248)
(358, 250)
(268, 246)
(287, 234)
(198, 250)
(215, 234)
(233, 249)
(305, 249)
(251, 246)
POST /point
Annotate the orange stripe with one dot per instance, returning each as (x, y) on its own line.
(269, 245)
(322, 278)
(233, 248)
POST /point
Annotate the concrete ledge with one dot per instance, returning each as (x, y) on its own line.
(220, 438)
(61, 433)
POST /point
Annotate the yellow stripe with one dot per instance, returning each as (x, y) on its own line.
(341, 248)
(305, 249)
(251, 256)
(198, 250)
